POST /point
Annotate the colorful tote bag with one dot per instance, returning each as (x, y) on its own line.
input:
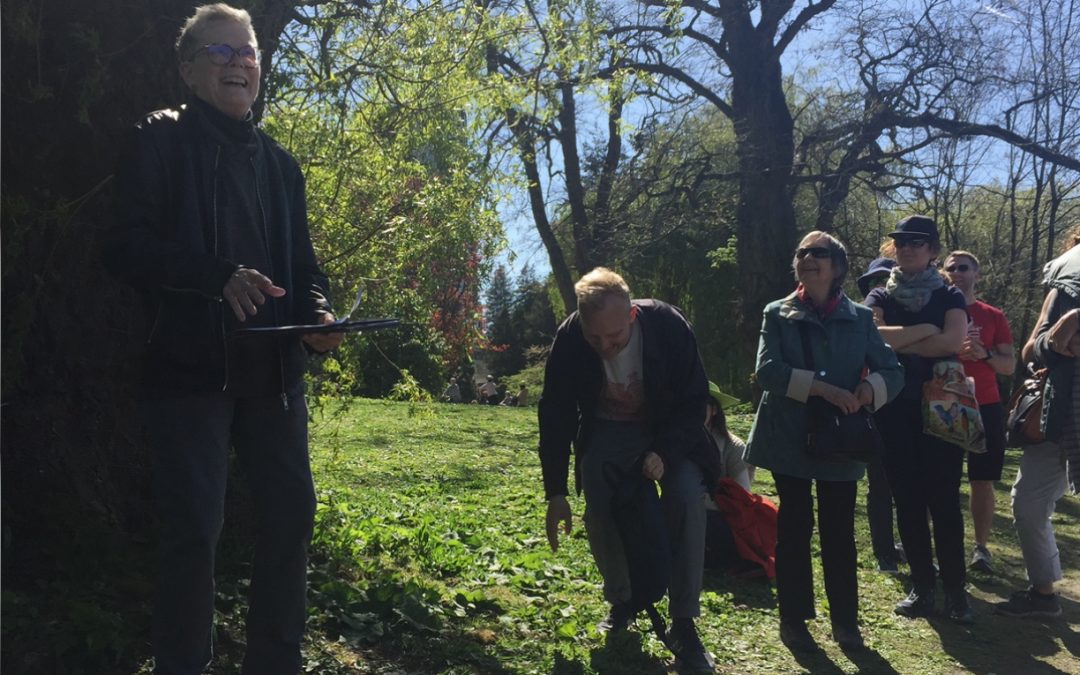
(950, 411)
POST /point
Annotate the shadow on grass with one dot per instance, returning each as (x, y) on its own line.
(756, 593)
(867, 661)
(622, 654)
(977, 647)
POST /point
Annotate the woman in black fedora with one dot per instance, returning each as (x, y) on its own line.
(923, 319)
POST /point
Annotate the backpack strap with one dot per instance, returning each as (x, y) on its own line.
(659, 627)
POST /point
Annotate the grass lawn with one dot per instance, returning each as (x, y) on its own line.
(430, 557)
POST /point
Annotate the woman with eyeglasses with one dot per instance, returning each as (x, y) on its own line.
(842, 339)
(923, 319)
(212, 228)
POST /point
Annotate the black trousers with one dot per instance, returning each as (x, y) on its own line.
(836, 528)
(924, 473)
(191, 437)
(879, 510)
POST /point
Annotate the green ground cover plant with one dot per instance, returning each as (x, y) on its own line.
(429, 557)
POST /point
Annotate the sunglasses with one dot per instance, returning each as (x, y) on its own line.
(819, 252)
(958, 268)
(222, 55)
(917, 242)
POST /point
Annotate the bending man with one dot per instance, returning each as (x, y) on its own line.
(624, 383)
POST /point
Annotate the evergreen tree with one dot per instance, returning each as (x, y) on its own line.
(505, 350)
(533, 317)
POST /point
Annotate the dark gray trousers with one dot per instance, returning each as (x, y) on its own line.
(191, 437)
(682, 491)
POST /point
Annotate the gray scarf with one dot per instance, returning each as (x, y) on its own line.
(913, 291)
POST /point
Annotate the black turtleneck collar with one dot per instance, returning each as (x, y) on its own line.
(222, 127)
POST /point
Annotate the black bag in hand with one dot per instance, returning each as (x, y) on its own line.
(832, 436)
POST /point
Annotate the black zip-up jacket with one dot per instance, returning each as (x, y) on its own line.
(676, 390)
(166, 242)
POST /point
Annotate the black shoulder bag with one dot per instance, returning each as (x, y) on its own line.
(831, 434)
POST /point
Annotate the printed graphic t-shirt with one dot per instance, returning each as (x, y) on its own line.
(622, 398)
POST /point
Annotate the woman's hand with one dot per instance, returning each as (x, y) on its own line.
(865, 394)
(841, 398)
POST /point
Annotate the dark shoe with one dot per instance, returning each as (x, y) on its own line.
(958, 609)
(618, 619)
(916, 604)
(981, 560)
(796, 637)
(848, 637)
(888, 566)
(1029, 603)
(690, 654)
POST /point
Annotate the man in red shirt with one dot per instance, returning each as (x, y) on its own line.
(987, 353)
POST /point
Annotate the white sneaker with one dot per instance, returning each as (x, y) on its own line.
(981, 560)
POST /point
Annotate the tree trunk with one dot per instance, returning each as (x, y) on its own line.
(72, 336)
(765, 147)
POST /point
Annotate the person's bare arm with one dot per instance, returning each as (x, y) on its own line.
(1028, 352)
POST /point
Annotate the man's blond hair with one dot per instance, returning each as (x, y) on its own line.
(594, 289)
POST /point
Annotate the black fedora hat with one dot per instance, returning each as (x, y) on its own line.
(916, 226)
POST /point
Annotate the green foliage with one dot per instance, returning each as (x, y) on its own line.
(408, 389)
(377, 107)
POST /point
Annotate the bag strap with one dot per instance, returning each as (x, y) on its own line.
(660, 628)
(804, 336)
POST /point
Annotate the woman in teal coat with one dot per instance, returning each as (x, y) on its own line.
(844, 342)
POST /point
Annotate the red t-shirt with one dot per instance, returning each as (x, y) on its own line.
(988, 325)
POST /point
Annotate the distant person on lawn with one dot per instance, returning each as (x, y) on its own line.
(625, 385)
(1049, 469)
(212, 227)
(489, 392)
(452, 394)
(987, 352)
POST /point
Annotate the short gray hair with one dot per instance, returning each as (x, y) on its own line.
(838, 254)
(187, 40)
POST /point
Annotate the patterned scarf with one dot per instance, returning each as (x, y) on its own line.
(825, 310)
(913, 291)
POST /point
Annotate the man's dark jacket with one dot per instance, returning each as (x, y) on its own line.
(675, 394)
(167, 243)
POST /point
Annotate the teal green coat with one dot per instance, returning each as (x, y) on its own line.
(842, 345)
